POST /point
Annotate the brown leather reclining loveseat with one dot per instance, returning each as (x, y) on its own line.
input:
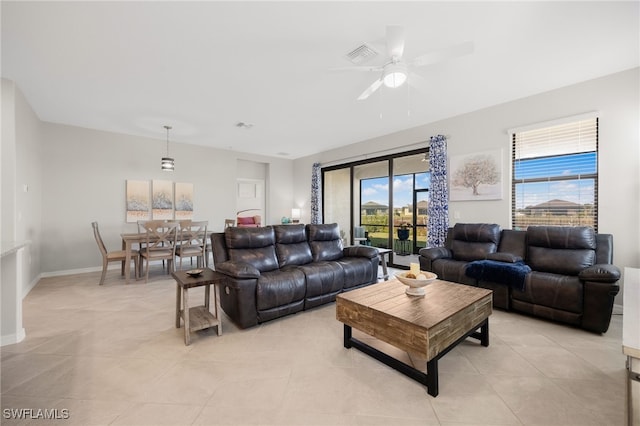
(278, 270)
(559, 273)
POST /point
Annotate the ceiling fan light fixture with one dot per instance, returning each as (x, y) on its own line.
(394, 75)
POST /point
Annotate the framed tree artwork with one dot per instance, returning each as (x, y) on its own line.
(476, 176)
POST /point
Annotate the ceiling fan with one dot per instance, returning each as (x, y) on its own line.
(395, 71)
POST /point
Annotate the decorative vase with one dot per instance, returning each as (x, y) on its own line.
(403, 234)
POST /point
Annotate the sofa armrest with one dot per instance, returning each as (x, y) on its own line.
(241, 270)
(360, 251)
(430, 255)
(435, 253)
(602, 273)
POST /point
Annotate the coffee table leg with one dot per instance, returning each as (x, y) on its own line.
(484, 334)
(432, 377)
(347, 336)
(185, 315)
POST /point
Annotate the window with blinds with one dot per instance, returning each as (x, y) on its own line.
(555, 175)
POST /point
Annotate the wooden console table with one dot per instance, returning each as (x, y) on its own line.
(198, 317)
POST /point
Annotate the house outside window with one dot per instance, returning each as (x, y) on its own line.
(555, 175)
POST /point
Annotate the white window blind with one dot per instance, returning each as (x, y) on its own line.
(555, 175)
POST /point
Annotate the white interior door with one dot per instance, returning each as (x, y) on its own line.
(250, 198)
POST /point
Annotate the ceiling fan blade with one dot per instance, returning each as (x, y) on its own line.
(356, 68)
(417, 81)
(441, 55)
(395, 41)
(374, 86)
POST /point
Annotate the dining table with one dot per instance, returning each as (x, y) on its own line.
(131, 238)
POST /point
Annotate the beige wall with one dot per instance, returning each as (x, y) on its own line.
(21, 179)
(76, 176)
(615, 97)
(86, 173)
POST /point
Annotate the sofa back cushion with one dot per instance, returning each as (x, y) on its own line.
(255, 246)
(474, 241)
(562, 250)
(292, 247)
(513, 242)
(325, 242)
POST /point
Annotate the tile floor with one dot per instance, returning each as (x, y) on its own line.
(111, 355)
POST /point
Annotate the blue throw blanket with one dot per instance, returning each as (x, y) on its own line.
(511, 274)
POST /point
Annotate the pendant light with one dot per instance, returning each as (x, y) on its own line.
(167, 162)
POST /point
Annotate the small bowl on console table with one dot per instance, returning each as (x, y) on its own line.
(416, 283)
(193, 273)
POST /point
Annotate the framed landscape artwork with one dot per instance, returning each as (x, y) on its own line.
(162, 200)
(476, 176)
(184, 201)
(138, 201)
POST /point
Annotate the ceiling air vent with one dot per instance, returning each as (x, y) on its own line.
(361, 54)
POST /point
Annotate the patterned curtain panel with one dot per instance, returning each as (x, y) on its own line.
(315, 194)
(438, 209)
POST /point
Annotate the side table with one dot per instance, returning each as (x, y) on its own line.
(198, 317)
(382, 254)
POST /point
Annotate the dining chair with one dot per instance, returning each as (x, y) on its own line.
(159, 243)
(193, 241)
(113, 256)
(142, 230)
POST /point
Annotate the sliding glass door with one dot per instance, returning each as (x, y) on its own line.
(336, 200)
(371, 201)
(381, 202)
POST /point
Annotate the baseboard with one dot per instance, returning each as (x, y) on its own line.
(27, 288)
(11, 339)
(75, 271)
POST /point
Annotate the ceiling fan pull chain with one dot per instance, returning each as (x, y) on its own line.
(408, 98)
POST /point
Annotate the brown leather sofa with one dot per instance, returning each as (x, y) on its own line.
(279, 270)
(560, 273)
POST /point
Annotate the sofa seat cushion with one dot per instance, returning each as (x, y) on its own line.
(452, 270)
(511, 274)
(358, 271)
(562, 292)
(323, 278)
(280, 288)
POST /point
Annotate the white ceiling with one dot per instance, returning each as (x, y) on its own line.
(202, 67)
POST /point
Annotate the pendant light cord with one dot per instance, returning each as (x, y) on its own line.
(168, 128)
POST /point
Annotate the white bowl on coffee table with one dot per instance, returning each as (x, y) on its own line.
(416, 285)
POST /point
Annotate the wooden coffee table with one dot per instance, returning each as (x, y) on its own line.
(428, 326)
(197, 317)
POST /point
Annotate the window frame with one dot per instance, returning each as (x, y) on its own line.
(515, 161)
